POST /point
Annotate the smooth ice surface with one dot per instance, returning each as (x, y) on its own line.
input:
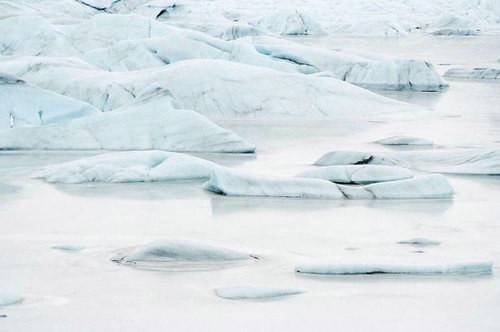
(421, 241)
(486, 73)
(7, 299)
(360, 174)
(394, 268)
(241, 292)
(134, 166)
(233, 183)
(405, 140)
(452, 161)
(422, 187)
(151, 122)
(178, 250)
(24, 104)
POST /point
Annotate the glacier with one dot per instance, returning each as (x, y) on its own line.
(480, 72)
(359, 174)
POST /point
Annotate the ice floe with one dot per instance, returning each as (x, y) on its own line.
(240, 292)
(134, 166)
(8, 298)
(452, 161)
(288, 22)
(405, 140)
(423, 187)
(335, 268)
(234, 183)
(360, 174)
(420, 241)
(152, 122)
(23, 104)
(175, 250)
(485, 73)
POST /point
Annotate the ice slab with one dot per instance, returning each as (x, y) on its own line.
(134, 166)
(335, 268)
(240, 292)
(483, 73)
(359, 174)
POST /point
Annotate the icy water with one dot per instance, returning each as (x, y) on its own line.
(84, 291)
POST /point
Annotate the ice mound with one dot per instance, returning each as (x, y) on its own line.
(215, 88)
(240, 292)
(418, 241)
(486, 73)
(24, 104)
(289, 22)
(69, 247)
(173, 250)
(405, 140)
(134, 166)
(233, 183)
(454, 161)
(150, 123)
(7, 299)
(392, 268)
(360, 174)
(423, 187)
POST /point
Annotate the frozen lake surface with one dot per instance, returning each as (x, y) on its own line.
(84, 291)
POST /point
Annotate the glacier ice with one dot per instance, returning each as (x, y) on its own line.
(68, 247)
(171, 250)
(133, 166)
(335, 268)
(422, 187)
(24, 104)
(8, 298)
(360, 174)
(405, 140)
(239, 292)
(480, 72)
(234, 183)
(151, 122)
(288, 22)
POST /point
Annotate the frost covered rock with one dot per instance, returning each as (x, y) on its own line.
(7, 299)
(240, 292)
(172, 250)
(394, 268)
(456, 161)
(134, 166)
(23, 104)
(418, 241)
(423, 187)
(289, 22)
(233, 183)
(487, 73)
(214, 88)
(405, 140)
(152, 122)
(360, 174)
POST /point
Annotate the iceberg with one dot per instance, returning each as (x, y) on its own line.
(134, 166)
(418, 241)
(288, 22)
(175, 250)
(240, 292)
(424, 187)
(359, 174)
(151, 123)
(24, 104)
(69, 247)
(8, 299)
(483, 73)
(405, 140)
(335, 268)
(453, 161)
(233, 183)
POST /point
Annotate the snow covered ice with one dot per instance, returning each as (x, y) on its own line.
(241, 292)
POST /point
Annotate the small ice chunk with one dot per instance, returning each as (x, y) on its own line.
(254, 292)
(423, 187)
(233, 183)
(360, 174)
(171, 250)
(420, 241)
(69, 247)
(405, 140)
(393, 268)
(8, 298)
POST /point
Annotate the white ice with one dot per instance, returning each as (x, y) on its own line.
(479, 72)
(405, 140)
(8, 298)
(360, 174)
(288, 22)
(240, 292)
(69, 247)
(420, 241)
